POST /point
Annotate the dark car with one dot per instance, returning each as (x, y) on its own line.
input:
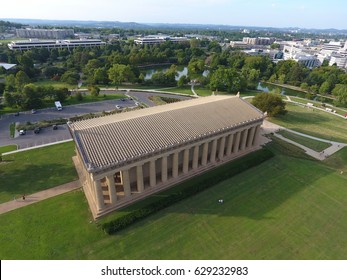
(37, 130)
(123, 99)
(16, 114)
(55, 127)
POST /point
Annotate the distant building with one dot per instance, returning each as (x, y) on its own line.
(50, 44)
(126, 157)
(310, 61)
(151, 40)
(331, 47)
(258, 41)
(339, 59)
(239, 44)
(45, 33)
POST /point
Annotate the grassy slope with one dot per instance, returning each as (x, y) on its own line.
(36, 170)
(315, 145)
(286, 208)
(313, 122)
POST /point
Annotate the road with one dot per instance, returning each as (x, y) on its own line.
(48, 135)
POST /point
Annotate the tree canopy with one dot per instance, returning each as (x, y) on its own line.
(271, 103)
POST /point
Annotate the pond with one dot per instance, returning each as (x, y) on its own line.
(265, 87)
(181, 70)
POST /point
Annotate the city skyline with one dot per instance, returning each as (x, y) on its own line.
(266, 13)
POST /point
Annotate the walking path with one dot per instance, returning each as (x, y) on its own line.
(269, 127)
(36, 197)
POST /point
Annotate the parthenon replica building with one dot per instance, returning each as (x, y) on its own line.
(125, 157)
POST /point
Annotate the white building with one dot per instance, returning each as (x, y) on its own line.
(151, 40)
(339, 59)
(50, 44)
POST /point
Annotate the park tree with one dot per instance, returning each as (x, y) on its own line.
(94, 90)
(182, 81)
(325, 88)
(119, 73)
(340, 91)
(227, 79)
(196, 66)
(10, 82)
(21, 80)
(32, 97)
(271, 103)
(71, 77)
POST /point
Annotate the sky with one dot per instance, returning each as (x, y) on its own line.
(321, 14)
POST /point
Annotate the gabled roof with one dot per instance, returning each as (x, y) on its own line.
(115, 139)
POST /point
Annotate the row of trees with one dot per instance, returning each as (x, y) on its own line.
(229, 70)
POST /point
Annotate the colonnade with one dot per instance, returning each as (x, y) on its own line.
(113, 187)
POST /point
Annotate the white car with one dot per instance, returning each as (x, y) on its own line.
(118, 107)
(22, 132)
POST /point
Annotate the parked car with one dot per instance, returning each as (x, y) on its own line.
(33, 111)
(37, 130)
(22, 132)
(118, 107)
(123, 99)
(55, 127)
(16, 114)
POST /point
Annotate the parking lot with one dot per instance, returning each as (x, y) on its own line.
(48, 135)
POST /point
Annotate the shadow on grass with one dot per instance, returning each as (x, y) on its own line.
(254, 193)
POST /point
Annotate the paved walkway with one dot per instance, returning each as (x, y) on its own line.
(269, 127)
(36, 197)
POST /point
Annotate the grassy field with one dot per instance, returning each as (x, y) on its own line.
(6, 149)
(313, 122)
(286, 208)
(315, 145)
(35, 170)
(56, 84)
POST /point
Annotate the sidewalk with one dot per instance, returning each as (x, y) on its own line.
(36, 197)
(269, 127)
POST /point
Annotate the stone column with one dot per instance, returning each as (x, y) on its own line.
(99, 195)
(164, 169)
(152, 173)
(139, 178)
(237, 142)
(230, 144)
(221, 148)
(204, 154)
(185, 161)
(213, 151)
(244, 139)
(250, 137)
(111, 189)
(175, 165)
(256, 136)
(126, 183)
(196, 157)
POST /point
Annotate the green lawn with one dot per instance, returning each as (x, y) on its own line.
(56, 84)
(35, 170)
(342, 112)
(313, 122)
(286, 208)
(315, 145)
(6, 149)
